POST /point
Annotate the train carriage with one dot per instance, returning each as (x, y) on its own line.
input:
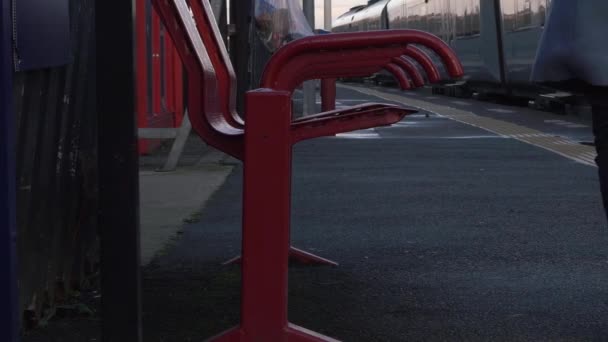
(343, 22)
(496, 40)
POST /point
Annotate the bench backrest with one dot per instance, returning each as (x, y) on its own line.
(218, 54)
(206, 106)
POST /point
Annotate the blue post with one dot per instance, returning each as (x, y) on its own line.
(8, 230)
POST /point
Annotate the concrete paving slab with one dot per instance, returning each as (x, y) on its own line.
(169, 199)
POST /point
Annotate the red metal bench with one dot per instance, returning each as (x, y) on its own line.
(264, 141)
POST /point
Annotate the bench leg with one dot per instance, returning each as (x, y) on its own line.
(296, 255)
(328, 94)
(266, 220)
(292, 333)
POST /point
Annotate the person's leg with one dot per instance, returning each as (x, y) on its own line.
(600, 132)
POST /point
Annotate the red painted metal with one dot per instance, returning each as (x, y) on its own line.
(346, 120)
(218, 55)
(156, 61)
(411, 70)
(174, 101)
(425, 61)
(199, 110)
(296, 255)
(400, 75)
(157, 116)
(169, 98)
(266, 145)
(141, 70)
(178, 87)
(165, 110)
(328, 94)
(268, 155)
(332, 64)
(359, 40)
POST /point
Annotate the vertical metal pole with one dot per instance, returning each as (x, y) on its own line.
(9, 322)
(118, 171)
(327, 15)
(142, 69)
(266, 223)
(156, 68)
(240, 46)
(328, 94)
(309, 86)
(169, 71)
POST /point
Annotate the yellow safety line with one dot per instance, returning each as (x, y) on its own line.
(560, 145)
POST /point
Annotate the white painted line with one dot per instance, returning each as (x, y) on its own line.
(361, 134)
(406, 123)
(353, 100)
(500, 110)
(478, 137)
(573, 151)
(462, 103)
(566, 123)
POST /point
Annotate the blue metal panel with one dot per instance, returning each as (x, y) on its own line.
(8, 230)
(42, 33)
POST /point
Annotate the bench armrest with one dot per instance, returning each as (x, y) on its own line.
(288, 65)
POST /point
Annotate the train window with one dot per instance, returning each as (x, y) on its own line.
(467, 18)
(413, 17)
(529, 13)
(434, 18)
(475, 17)
(541, 12)
(424, 22)
(460, 20)
(526, 14)
(509, 14)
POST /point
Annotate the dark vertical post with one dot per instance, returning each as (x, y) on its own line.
(9, 322)
(328, 94)
(142, 45)
(241, 12)
(500, 44)
(309, 99)
(118, 171)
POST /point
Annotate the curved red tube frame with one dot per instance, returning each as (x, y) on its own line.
(411, 70)
(210, 34)
(425, 61)
(333, 64)
(359, 40)
(400, 75)
(220, 135)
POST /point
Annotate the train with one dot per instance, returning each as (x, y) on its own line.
(496, 40)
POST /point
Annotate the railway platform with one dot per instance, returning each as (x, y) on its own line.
(467, 221)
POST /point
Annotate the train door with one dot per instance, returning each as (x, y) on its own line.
(471, 42)
(523, 22)
(448, 25)
(491, 43)
(395, 14)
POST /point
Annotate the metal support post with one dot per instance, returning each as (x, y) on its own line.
(310, 102)
(328, 86)
(240, 46)
(328, 94)
(9, 321)
(327, 15)
(266, 224)
(118, 171)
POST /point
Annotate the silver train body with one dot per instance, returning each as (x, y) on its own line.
(496, 40)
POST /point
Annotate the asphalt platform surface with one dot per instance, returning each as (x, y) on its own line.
(443, 232)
